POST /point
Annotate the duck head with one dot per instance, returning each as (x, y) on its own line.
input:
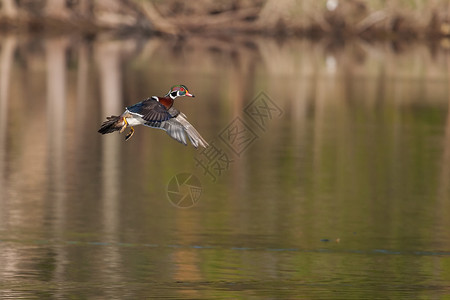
(178, 91)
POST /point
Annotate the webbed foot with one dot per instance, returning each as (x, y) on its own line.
(130, 134)
(125, 124)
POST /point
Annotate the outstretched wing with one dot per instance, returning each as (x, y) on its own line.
(150, 110)
(178, 128)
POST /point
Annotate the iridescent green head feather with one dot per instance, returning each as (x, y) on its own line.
(179, 90)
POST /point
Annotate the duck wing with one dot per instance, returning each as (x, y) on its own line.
(178, 127)
(150, 110)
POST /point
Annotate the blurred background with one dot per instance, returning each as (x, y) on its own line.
(343, 193)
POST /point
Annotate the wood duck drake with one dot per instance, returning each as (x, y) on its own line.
(157, 112)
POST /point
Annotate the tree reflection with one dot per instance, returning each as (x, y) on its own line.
(363, 131)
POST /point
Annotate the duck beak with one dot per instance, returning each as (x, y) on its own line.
(189, 95)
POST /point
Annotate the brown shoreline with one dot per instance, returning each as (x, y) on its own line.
(351, 18)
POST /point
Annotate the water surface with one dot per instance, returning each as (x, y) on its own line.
(328, 175)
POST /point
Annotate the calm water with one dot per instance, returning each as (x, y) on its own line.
(328, 178)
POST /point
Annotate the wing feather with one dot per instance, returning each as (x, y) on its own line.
(172, 121)
(150, 110)
(179, 127)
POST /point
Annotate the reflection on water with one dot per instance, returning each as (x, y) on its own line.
(345, 195)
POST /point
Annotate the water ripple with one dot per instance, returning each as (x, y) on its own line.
(236, 248)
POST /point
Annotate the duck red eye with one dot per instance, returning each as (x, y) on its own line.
(181, 90)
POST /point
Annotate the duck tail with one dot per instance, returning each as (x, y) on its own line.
(112, 123)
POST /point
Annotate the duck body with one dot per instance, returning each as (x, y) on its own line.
(157, 112)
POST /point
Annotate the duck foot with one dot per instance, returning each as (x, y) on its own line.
(130, 134)
(125, 124)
